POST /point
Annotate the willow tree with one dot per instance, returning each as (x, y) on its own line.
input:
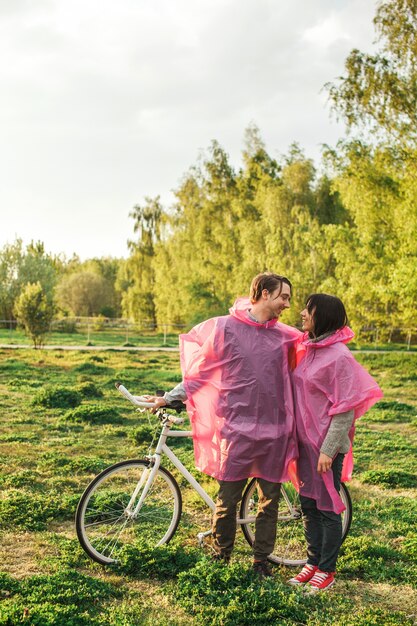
(136, 275)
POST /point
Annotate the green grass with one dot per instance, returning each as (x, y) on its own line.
(135, 337)
(62, 422)
(102, 337)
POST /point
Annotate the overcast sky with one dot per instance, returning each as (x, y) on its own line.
(104, 102)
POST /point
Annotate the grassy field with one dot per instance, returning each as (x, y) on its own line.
(62, 422)
(93, 337)
(118, 337)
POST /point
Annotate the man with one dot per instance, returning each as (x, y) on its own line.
(237, 389)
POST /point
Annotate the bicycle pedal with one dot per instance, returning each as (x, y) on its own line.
(200, 539)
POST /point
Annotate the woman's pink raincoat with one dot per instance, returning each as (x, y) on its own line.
(328, 381)
(240, 402)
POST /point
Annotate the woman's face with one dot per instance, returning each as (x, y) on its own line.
(307, 321)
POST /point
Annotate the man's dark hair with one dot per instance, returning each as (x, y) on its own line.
(268, 281)
(328, 312)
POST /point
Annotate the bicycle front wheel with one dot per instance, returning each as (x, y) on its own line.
(106, 520)
(290, 546)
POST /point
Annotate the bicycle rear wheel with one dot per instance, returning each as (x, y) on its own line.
(290, 545)
(105, 521)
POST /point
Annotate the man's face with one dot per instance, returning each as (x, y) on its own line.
(278, 302)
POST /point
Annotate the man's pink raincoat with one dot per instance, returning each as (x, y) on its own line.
(328, 381)
(239, 395)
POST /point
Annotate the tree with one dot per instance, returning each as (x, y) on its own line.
(136, 278)
(34, 312)
(82, 293)
(106, 268)
(19, 266)
(379, 91)
(10, 262)
(227, 227)
(377, 255)
(200, 251)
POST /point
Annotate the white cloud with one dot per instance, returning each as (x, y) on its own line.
(327, 32)
(105, 102)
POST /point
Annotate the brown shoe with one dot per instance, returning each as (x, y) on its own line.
(262, 569)
(219, 557)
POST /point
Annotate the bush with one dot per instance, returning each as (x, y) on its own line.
(93, 414)
(67, 326)
(19, 383)
(161, 563)
(34, 312)
(33, 511)
(96, 358)
(391, 411)
(142, 434)
(66, 553)
(231, 595)
(390, 478)
(372, 559)
(55, 397)
(22, 478)
(374, 617)
(99, 323)
(66, 598)
(91, 368)
(89, 390)
(393, 405)
(72, 465)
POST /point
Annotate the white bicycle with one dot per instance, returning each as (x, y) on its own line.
(138, 499)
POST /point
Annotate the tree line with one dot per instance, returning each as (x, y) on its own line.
(346, 226)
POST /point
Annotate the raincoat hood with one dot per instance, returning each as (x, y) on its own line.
(240, 311)
(343, 335)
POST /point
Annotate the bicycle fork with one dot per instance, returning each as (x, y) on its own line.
(145, 484)
(147, 478)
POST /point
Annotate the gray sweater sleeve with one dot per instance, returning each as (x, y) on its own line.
(178, 393)
(337, 438)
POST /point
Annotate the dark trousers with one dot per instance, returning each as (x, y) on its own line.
(323, 529)
(224, 520)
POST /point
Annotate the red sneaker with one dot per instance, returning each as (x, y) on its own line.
(321, 581)
(304, 576)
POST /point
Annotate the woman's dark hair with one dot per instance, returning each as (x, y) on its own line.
(328, 313)
(268, 281)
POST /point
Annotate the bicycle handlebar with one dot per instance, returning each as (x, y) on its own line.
(134, 399)
(177, 405)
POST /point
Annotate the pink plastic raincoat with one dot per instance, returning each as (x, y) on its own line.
(240, 402)
(328, 381)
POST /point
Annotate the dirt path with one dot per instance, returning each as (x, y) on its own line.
(92, 348)
(161, 348)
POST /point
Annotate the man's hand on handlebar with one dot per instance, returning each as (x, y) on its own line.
(157, 400)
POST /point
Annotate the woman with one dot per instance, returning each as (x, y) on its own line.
(332, 390)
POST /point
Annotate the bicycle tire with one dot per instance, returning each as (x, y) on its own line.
(290, 546)
(103, 525)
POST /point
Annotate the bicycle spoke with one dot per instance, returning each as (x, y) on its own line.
(103, 524)
(290, 547)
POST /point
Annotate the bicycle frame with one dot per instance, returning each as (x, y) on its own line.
(163, 448)
(113, 509)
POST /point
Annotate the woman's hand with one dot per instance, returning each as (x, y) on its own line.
(158, 401)
(324, 463)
